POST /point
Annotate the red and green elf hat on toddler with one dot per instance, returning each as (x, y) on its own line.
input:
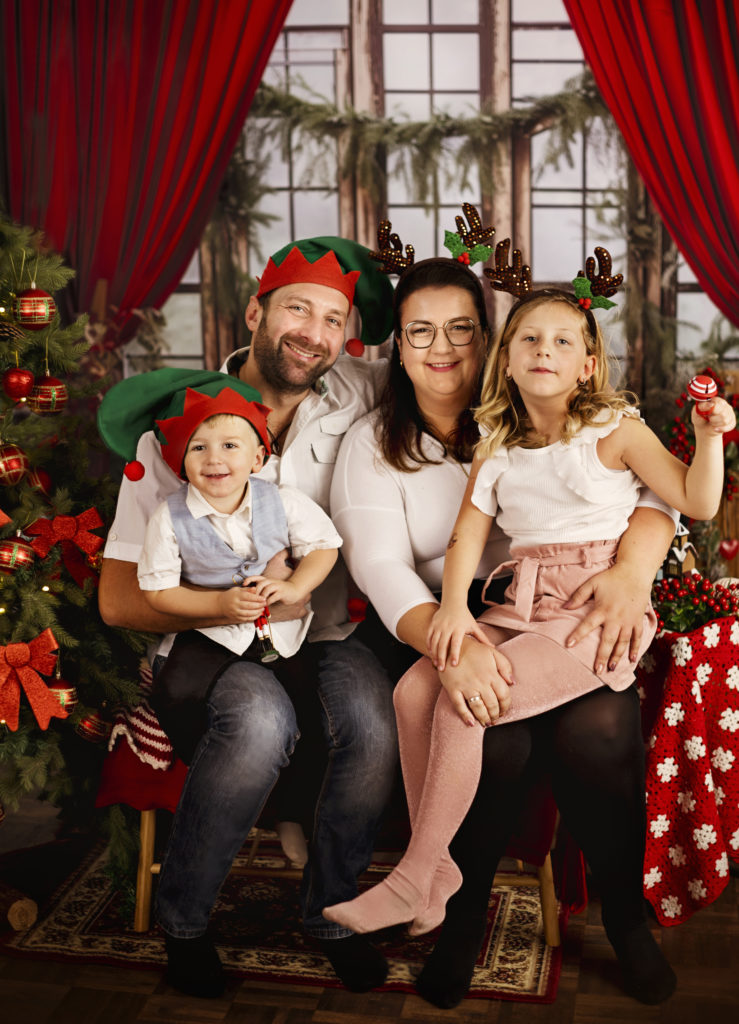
(341, 264)
(174, 403)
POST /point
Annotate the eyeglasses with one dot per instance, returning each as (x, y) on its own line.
(459, 331)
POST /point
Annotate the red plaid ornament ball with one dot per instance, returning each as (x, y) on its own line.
(15, 554)
(13, 464)
(94, 728)
(48, 395)
(34, 309)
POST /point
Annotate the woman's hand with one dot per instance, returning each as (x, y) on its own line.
(621, 597)
(447, 630)
(484, 673)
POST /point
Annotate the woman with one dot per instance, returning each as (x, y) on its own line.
(397, 488)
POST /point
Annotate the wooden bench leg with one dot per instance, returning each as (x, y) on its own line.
(548, 899)
(142, 911)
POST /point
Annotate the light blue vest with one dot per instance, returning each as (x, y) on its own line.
(207, 559)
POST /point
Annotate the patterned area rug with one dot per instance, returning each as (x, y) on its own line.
(256, 926)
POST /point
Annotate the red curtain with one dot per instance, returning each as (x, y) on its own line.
(117, 123)
(668, 71)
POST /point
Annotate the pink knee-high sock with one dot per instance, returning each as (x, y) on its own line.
(440, 758)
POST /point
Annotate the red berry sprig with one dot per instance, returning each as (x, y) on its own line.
(683, 603)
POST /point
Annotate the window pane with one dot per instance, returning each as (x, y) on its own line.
(274, 235)
(604, 159)
(538, 10)
(456, 60)
(695, 315)
(315, 214)
(411, 106)
(313, 81)
(405, 12)
(457, 104)
(540, 79)
(685, 274)
(269, 150)
(328, 12)
(454, 12)
(406, 58)
(549, 197)
(557, 244)
(314, 164)
(183, 332)
(550, 176)
(192, 274)
(455, 176)
(542, 44)
(415, 227)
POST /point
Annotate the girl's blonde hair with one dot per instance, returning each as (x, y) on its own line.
(502, 413)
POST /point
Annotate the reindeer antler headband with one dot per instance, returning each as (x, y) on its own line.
(468, 246)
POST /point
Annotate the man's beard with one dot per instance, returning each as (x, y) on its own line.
(277, 369)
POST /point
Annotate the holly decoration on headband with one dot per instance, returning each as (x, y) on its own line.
(591, 289)
(467, 245)
(585, 297)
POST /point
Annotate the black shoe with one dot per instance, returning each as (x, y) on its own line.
(358, 965)
(194, 967)
(647, 976)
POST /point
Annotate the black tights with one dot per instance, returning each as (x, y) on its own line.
(593, 751)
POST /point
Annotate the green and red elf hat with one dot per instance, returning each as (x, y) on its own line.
(173, 403)
(341, 264)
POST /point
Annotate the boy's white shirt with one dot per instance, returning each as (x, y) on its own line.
(159, 567)
(347, 391)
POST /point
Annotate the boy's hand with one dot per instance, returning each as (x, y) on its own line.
(241, 604)
(270, 590)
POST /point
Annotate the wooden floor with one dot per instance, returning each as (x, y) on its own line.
(704, 953)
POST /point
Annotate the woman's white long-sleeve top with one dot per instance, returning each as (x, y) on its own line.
(396, 526)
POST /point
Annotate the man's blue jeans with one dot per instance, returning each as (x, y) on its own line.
(251, 733)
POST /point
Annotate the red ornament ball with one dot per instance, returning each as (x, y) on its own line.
(66, 694)
(14, 464)
(39, 480)
(15, 554)
(354, 347)
(48, 395)
(94, 728)
(17, 383)
(34, 309)
(134, 470)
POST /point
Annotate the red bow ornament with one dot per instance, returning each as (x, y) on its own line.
(20, 665)
(72, 533)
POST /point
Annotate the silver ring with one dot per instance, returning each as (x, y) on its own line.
(474, 699)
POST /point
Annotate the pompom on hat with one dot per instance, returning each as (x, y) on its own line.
(173, 403)
(341, 264)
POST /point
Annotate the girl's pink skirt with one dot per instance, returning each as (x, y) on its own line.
(532, 626)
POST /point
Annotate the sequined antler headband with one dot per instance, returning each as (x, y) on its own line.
(469, 245)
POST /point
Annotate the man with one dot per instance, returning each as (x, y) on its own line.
(298, 320)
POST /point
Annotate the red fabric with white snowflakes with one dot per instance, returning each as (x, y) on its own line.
(689, 684)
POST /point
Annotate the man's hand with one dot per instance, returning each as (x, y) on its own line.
(620, 600)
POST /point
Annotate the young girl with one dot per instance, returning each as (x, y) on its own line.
(559, 466)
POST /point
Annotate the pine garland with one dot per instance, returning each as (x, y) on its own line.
(419, 149)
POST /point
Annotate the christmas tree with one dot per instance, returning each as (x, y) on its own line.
(62, 671)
